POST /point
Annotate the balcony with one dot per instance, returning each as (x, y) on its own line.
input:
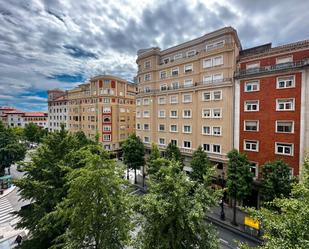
(186, 87)
(242, 73)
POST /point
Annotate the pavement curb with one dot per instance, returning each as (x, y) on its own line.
(8, 191)
(233, 229)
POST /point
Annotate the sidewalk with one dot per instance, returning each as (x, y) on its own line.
(7, 191)
(214, 217)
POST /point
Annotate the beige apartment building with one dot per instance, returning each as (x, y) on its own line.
(105, 106)
(185, 95)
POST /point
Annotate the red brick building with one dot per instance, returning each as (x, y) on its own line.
(272, 104)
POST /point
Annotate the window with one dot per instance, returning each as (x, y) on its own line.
(106, 137)
(106, 109)
(146, 114)
(162, 74)
(284, 60)
(218, 44)
(138, 126)
(163, 87)
(284, 149)
(146, 127)
(177, 56)
(206, 147)
(216, 131)
(206, 130)
(187, 144)
(138, 102)
(161, 100)
(146, 140)
(188, 68)
(252, 86)
(206, 113)
(174, 114)
(254, 169)
(252, 106)
(285, 82)
(166, 60)
(146, 101)
(188, 83)
(174, 99)
(107, 128)
(175, 85)
(147, 64)
(187, 98)
(173, 128)
(162, 141)
(217, 95)
(253, 65)
(207, 79)
(285, 104)
(207, 63)
(252, 125)
(216, 113)
(161, 127)
(174, 142)
(216, 61)
(206, 96)
(191, 53)
(186, 114)
(216, 148)
(147, 89)
(218, 77)
(175, 71)
(285, 126)
(186, 129)
(147, 77)
(161, 113)
(138, 114)
(251, 145)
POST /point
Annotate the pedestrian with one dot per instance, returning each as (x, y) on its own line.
(18, 239)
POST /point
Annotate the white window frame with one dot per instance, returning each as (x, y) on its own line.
(213, 113)
(174, 140)
(147, 78)
(138, 126)
(285, 121)
(176, 128)
(160, 142)
(183, 113)
(252, 83)
(256, 166)
(251, 142)
(160, 129)
(175, 83)
(105, 136)
(257, 125)
(159, 112)
(147, 142)
(178, 56)
(252, 65)
(213, 131)
(183, 143)
(207, 81)
(285, 81)
(214, 45)
(213, 151)
(191, 51)
(183, 98)
(203, 131)
(208, 93)
(221, 61)
(146, 116)
(284, 145)
(138, 102)
(146, 100)
(163, 87)
(206, 109)
(148, 127)
(187, 132)
(146, 63)
(246, 105)
(213, 95)
(160, 74)
(160, 98)
(207, 60)
(285, 99)
(290, 59)
(185, 68)
(176, 100)
(185, 83)
(204, 147)
(175, 69)
(174, 116)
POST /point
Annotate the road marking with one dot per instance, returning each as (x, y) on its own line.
(224, 241)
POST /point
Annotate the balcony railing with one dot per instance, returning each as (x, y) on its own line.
(181, 87)
(273, 68)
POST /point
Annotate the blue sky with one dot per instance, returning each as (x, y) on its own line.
(48, 44)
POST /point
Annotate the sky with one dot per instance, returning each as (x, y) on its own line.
(47, 44)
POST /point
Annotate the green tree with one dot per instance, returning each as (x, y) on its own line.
(172, 151)
(97, 206)
(200, 165)
(172, 213)
(33, 133)
(154, 155)
(287, 224)
(134, 152)
(239, 178)
(276, 180)
(11, 148)
(45, 185)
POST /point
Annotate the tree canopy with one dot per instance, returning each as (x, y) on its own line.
(200, 165)
(172, 213)
(173, 152)
(276, 180)
(33, 133)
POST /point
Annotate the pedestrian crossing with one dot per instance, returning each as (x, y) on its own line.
(6, 210)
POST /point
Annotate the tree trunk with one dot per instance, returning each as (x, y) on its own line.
(234, 222)
(135, 181)
(128, 171)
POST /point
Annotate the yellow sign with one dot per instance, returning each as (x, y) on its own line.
(252, 223)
